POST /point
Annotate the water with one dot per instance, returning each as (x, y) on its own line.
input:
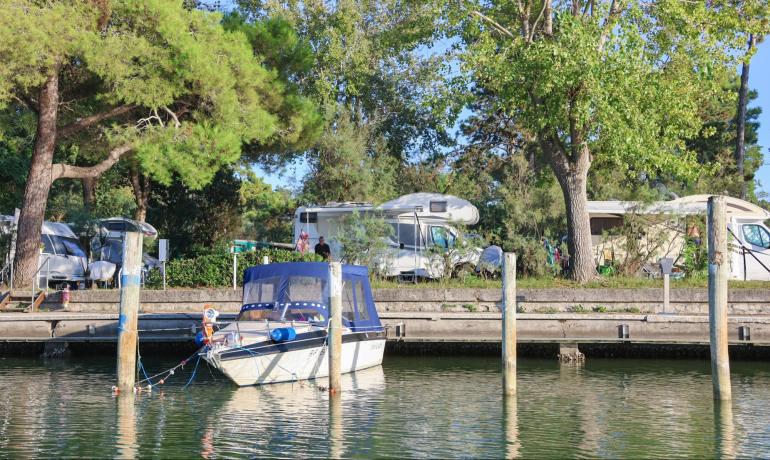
(409, 407)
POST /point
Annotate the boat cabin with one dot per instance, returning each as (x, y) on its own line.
(299, 291)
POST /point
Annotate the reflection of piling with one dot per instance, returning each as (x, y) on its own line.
(719, 265)
(335, 326)
(127, 426)
(511, 418)
(129, 311)
(724, 429)
(509, 324)
(335, 428)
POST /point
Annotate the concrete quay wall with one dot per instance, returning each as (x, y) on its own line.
(644, 301)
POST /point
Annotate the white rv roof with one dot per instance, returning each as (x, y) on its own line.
(693, 204)
(58, 228)
(456, 209)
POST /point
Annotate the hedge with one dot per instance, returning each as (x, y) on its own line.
(216, 270)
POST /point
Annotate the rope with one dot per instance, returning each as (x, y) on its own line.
(195, 370)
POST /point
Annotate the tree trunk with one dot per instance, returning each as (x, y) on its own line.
(141, 185)
(89, 192)
(572, 174)
(38, 185)
(740, 144)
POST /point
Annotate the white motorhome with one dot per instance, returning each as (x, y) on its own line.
(419, 220)
(749, 238)
(62, 259)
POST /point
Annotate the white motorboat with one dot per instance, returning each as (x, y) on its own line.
(280, 334)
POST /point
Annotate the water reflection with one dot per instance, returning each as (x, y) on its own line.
(424, 407)
(724, 429)
(511, 419)
(127, 445)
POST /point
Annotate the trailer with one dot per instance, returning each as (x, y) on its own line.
(667, 234)
(419, 221)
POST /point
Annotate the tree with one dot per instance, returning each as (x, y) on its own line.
(151, 79)
(610, 81)
(363, 62)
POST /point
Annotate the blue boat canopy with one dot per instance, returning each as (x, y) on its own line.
(299, 291)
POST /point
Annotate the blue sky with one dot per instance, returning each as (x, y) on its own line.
(759, 79)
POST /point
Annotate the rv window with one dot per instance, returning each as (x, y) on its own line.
(405, 233)
(438, 206)
(363, 313)
(47, 245)
(601, 224)
(308, 217)
(756, 235)
(57, 245)
(442, 237)
(347, 300)
(73, 247)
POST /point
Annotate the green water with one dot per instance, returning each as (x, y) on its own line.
(410, 407)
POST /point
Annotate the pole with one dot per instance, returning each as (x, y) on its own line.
(666, 292)
(129, 311)
(235, 270)
(334, 339)
(719, 266)
(265, 260)
(164, 275)
(509, 324)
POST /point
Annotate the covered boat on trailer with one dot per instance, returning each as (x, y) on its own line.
(280, 334)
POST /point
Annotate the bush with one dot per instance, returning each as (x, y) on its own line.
(216, 269)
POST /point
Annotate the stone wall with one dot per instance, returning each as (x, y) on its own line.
(683, 301)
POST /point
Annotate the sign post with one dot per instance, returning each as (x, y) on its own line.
(163, 257)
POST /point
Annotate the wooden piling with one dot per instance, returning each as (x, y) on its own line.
(509, 324)
(666, 292)
(719, 267)
(334, 339)
(130, 283)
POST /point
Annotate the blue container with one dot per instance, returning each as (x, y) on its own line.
(283, 334)
(200, 338)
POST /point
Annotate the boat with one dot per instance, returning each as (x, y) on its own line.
(280, 334)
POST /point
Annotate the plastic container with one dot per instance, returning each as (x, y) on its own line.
(283, 334)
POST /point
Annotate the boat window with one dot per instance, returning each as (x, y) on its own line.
(442, 237)
(73, 247)
(363, 313)
(305, 288)
(261, 290)
(756, 235)
(47, 245)
(347, 300)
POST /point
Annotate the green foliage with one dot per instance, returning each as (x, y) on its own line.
(363, 240)
(267, 213)
(216, 269)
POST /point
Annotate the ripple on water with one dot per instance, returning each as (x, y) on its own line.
(411, 407)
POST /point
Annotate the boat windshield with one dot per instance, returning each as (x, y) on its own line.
(293, 298)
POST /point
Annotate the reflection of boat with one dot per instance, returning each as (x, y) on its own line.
(280, 334)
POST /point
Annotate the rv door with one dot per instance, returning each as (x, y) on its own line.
(756, 238)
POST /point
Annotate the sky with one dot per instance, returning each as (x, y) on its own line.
(759, 79)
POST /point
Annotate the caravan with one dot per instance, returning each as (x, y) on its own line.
(62, 258)
(666, 235)
(419, 221)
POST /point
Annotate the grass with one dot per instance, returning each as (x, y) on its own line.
(616, 282)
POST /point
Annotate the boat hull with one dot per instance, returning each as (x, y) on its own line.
(289, 362)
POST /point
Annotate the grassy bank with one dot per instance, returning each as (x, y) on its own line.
(615, 282)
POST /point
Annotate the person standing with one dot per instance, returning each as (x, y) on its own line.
(303, 243)
(323, 249)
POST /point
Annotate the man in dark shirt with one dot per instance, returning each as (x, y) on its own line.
(322, 249)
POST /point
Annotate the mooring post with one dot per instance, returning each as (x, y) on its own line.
(334, 338)
(719, 266)
(130, 280)
(509, 324)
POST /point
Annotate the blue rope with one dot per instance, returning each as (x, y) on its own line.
(141, 367)
(193, 373)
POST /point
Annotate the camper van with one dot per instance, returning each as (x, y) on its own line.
(62, 260)
(107, 246)
(668, 231)
(418, 220)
